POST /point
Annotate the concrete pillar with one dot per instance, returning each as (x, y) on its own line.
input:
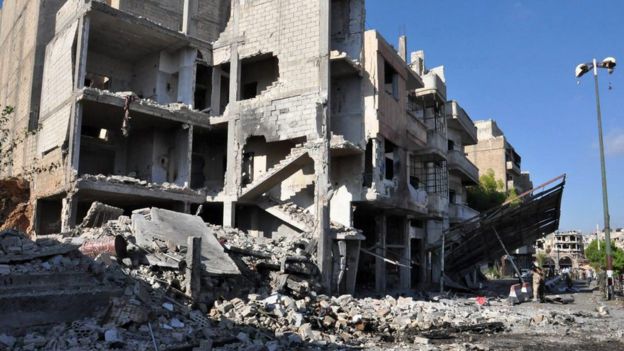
(69, 212)
(234, 152)
(403, 47)
(322, 159)
(229, 214)
(215, 97)
(189, 156)
(380, 264)
(75, 123)
(406, 258)
(193, 268)
(353, 259)
(188, 12)
(422, 270)
(186, 76)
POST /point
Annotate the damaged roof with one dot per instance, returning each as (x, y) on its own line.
(477, 241)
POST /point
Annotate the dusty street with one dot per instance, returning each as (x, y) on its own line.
(547, 326)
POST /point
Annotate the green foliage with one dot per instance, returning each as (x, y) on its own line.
(597, 257)
(540, 258)
(493, 273)
(6, 144)
(488, 194)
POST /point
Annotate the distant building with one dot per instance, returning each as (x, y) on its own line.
(564, 249)
(617, 237)
(494, 151)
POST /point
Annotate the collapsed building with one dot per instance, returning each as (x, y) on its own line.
(276, 118)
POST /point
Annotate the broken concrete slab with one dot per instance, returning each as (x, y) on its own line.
(174, 227)
(100, 213)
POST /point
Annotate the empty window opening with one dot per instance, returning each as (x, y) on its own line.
(368, 164)
(390, 159)
(203, 88)
(415, 172)
(451, 145)
(250, 90)
(452, 196)
(225, 93)
(257, 74)
(97, 81)
(391, 81)
(49, 213)
(209, 159)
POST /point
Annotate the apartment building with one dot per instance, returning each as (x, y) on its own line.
(494, 151)
(564, 249)
(278, 118)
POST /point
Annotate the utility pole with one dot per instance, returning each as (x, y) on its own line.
(608, 63)
(605, 197)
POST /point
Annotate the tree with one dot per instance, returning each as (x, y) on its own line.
(597, 257)
(488, 194)
(7, 144)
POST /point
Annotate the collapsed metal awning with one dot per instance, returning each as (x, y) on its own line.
(512, 225)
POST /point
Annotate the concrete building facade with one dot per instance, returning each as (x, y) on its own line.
(494, 151)
(278, 118)
(564, 249)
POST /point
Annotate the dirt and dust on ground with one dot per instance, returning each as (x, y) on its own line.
(15, 208)
(151, 282)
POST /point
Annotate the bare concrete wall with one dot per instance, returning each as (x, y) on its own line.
(25, 29)
(289, 30)
(347, 109)
(168, 13)
(347, 23)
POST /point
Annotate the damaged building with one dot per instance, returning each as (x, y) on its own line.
(276, 118)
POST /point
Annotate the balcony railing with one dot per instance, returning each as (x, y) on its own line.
(457, 161)
(513, 167)
(437, 204)
(460, 213)
(416, 128)
(459, 119)
(432, 82)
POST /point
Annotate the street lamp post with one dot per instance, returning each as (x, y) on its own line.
(609, 64)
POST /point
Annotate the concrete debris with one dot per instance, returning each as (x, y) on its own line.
(273, 303)
(99, 213)
(164, 231)
(129, 180)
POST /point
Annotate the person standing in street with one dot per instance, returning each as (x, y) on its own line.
(538, 283)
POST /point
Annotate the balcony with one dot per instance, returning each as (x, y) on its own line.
(432, 83)
(460, 213)
(438, 205)
(416, 129)
(436, 146)
(459, 164)
(513, 167)
(458, 119)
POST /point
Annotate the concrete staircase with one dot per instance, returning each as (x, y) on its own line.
(297, 158)
(289, 213)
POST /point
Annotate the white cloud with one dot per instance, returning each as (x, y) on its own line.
(614, 143)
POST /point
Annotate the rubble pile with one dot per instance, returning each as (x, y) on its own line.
(131, 179)
(128, 284)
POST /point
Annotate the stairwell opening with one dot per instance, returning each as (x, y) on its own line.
(258, 73)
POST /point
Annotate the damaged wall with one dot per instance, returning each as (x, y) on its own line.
(347, 25)
(25, 29)
(57, 89)
(290, 31)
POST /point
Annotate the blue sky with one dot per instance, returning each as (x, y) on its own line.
(513, 61)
